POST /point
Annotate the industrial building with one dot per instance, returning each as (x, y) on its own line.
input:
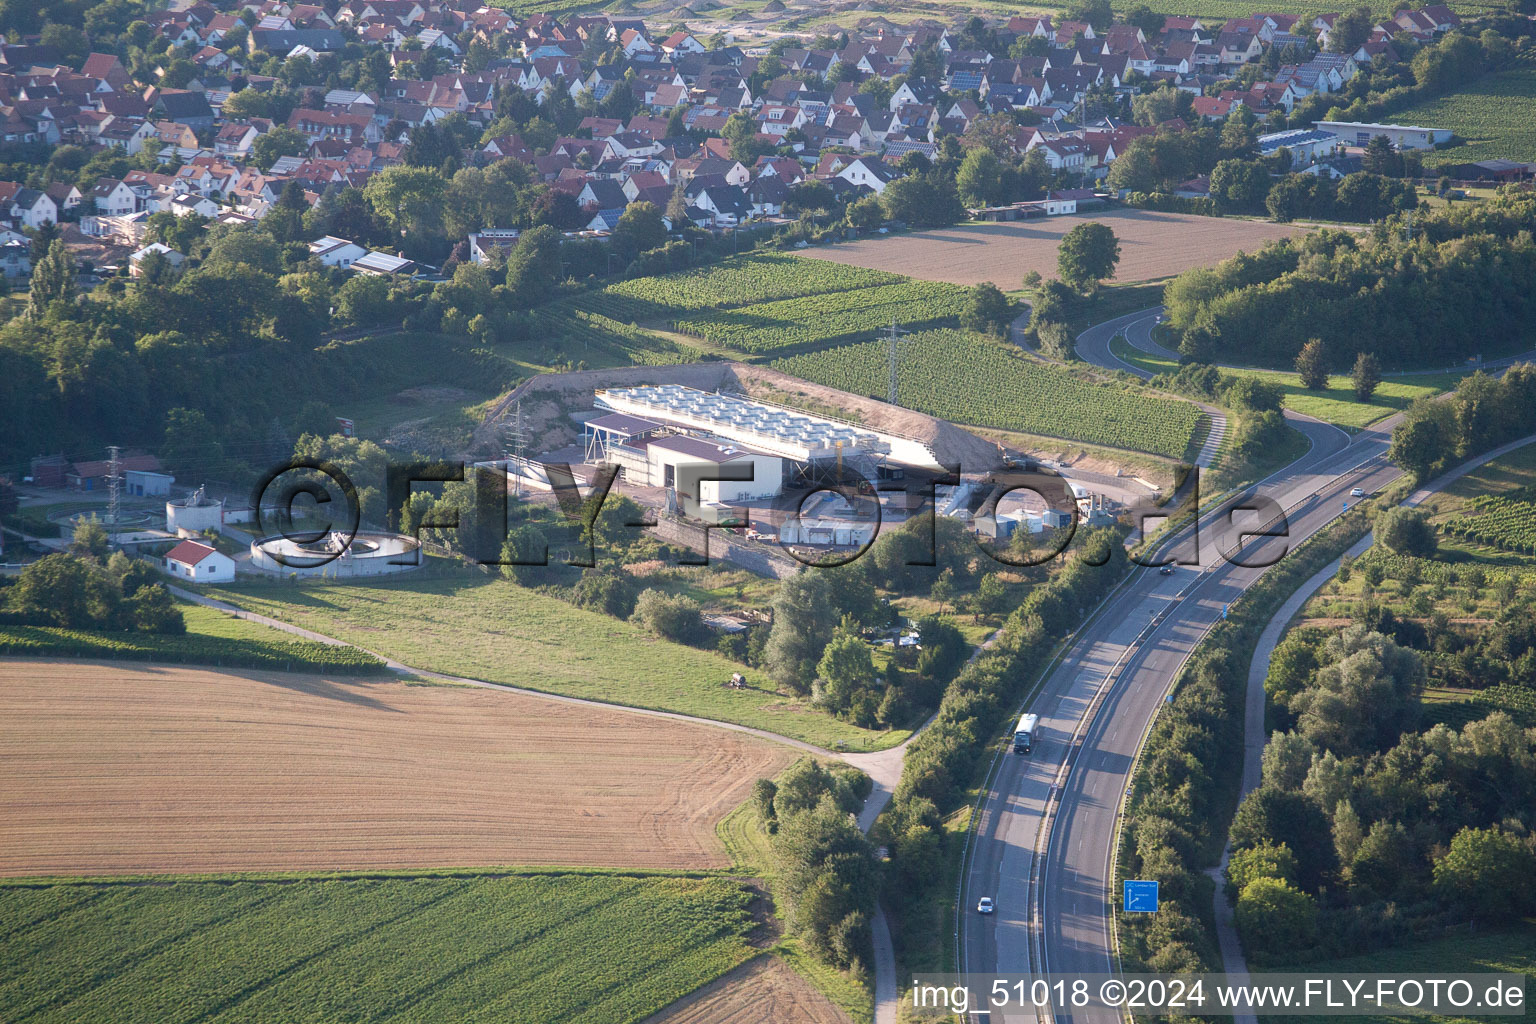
(646, 434)
(1402, 136)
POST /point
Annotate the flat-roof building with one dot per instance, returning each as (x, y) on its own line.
(772, 429)
(1403, 136)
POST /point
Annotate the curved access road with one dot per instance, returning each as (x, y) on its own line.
(1093, 346)
(1047, 829)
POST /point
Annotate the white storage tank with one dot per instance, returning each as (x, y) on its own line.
(194, 513)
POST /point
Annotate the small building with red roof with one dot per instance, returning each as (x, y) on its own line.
(199, 563)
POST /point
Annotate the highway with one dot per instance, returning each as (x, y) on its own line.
(1051, 883)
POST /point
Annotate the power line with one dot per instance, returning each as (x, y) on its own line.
(892, 396)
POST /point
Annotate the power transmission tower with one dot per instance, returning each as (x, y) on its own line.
(114, 479)
(514, 437)
(891, 394)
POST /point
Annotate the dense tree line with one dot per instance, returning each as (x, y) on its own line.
(1425, 292)
(84, 589)
(827, 871)
(1368, 830)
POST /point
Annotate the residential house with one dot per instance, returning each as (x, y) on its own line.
(136, 258)
(16, 258)
(336, 252)
(113, 198)
(234, 139)
(869, 172)
(188, 108)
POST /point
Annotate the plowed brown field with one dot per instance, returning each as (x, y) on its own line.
(1152, 245)
(113, 769)
(767, 989)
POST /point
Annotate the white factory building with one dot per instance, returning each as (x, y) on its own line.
(648, 429)
(665, 455)
(1402, 136)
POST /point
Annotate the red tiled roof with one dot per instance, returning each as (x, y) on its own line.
(189, 552)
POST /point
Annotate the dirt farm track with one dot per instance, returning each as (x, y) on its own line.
(1152, 245)
(123, 769)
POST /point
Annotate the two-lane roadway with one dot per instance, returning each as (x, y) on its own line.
(1052, 884)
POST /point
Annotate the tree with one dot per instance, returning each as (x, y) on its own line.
(746, 144)
(189, 448)
(90, 539)
(1419, 445)
(980, 178)
(1312, 365)
(675, 617)
(1095, 12)
(1364, 697)
(846, 678)
(1351, 30)
(53, 279)
(1487, 873)
(1087, 255)
(1267, 860)
(533, 266)
(923, 200)
(61, 590)
(1268, 815)
(864, 213)
(943, 589)
(1162, 104)
(1381, 158)
(409, 199)
(276, 142)
(1365, 376)
(803, 620)
(988, 310)
(1274, 916)
(1146, 19)
(1407, 531)
(640, 229)
(1239, 184)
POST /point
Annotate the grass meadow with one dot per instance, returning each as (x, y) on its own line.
(492, 630)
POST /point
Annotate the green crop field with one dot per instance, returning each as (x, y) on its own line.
(827, 318)
(1495, 115)
(1506, 523)
(537, 949)
(1335, 405)
(750, 305)
(739, 281)
(499, 632)
(972, 379)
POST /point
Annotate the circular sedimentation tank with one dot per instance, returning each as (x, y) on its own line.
(334, 554)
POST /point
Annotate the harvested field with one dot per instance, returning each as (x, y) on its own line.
(1152, 245)
(118, 769)
(767, 989)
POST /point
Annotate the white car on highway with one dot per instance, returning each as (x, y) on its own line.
(1357, 492)
(985, 905)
